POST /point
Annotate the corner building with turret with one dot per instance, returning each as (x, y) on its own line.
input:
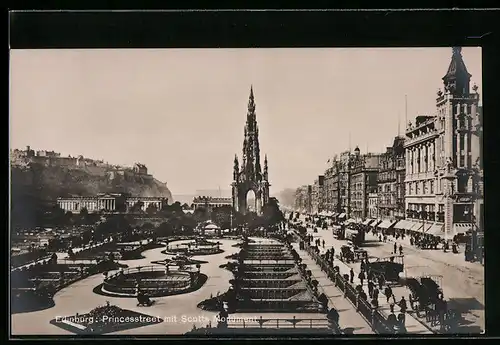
(444, 166)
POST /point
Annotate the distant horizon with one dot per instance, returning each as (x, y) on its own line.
(181, 112)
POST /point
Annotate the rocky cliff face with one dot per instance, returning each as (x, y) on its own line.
(50, 182)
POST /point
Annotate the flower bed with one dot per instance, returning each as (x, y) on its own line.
(105, 319)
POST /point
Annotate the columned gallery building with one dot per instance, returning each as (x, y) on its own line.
(113, 202)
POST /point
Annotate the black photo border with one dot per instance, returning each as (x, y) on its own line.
(190, 28)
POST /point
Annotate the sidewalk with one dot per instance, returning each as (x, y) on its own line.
(348, 317)
(413, 325)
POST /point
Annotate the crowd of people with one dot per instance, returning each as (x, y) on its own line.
(370, 291)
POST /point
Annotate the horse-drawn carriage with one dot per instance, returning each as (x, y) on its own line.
(426, 295)
(387, 268)
(351, 253)
(418, 298)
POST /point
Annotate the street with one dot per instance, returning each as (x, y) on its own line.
(462, 282)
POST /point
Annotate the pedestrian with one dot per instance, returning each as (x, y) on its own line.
(402, 319)
(380, 282)
(392, 320)
(403, 305)
(323, 243)
(361, 277)
(370, 288)
(411, 241)
(391, 307)
(388, 293)
(362, 265)
(375, 293)
(351, 273)
(380, 238)
(333, 252)
(395, 247)
(400, 250)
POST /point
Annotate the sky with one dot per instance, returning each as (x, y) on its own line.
(182, 111)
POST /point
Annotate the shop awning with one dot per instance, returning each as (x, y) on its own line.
(376, 222)
(403, 224)
(350, 220)
(426, 227)
(351, 232)
(412, 224)
(436, 229)
(392, 223)
(461, 228)
(417, 226)
(385, 224)
(367, 221)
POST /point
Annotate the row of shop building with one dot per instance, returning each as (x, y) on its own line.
(431, 178)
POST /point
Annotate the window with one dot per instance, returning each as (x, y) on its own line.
(424, 187)
(431, 187)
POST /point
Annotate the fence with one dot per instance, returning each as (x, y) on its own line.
(156, 287)
(156, 268)
(282, 323)
(17, 265)
(378, 323)
(269, 261)
(77, 261)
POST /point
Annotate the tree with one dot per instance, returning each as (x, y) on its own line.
(151, 209)
(137, 207)
(84, 216)
(165, 229)
(222, 216)
(272, 214)
(201, 214)
(68, 218)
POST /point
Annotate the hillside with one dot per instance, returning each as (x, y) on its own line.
(33, 185)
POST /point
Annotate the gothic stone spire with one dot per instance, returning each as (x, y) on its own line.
(265, 168)
(236, 167)
(251, 151)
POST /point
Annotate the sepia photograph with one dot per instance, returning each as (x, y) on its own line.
(268, 191)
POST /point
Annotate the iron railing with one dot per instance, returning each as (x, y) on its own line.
(278, 323)
(156, 268)
(378, 323)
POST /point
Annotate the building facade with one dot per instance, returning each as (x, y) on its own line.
(363, 181)
(443, 158)
(113, 202)
(373, 206)
(146, 202)
(328, 189)
(390, 182)
(317, 195)
(210, 203)
(344, 182)
(303, 199)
